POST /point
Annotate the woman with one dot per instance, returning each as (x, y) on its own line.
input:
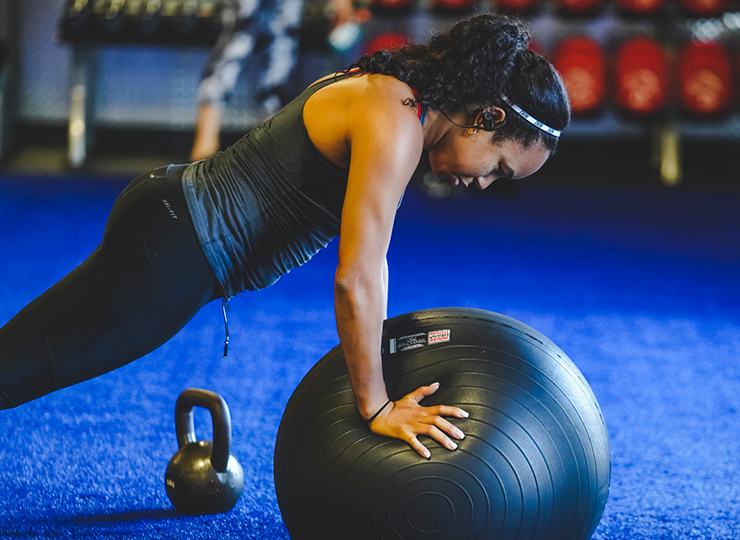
(335, 161)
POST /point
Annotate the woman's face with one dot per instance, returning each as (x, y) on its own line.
(461, 158)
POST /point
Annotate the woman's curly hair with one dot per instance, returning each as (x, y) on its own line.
(471, 65)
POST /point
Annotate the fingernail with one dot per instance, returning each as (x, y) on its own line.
(434, 384)
(427, 454)
(452, 446)
(460, 434)
(465, 414)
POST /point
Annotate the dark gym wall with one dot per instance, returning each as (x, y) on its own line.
(153, 88)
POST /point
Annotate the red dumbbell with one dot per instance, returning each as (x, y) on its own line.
(642, 7)
(389, 40)
(705, 8)
(579, 6)
(704, 78)
(517, 5)
(641, 76)
(582, 64)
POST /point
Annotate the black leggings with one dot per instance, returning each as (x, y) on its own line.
(144, 282)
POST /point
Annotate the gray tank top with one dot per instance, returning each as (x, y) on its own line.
(268, 203)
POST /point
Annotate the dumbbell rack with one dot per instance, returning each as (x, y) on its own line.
(610, 26)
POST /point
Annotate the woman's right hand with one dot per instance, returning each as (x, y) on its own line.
(406, 419)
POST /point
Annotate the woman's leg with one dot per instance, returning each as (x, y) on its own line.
(144, 282)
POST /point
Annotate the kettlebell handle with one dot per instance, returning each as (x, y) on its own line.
(220, 416)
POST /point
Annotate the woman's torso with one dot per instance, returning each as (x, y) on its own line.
(272, 200)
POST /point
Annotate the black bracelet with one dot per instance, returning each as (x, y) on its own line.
(373, 417)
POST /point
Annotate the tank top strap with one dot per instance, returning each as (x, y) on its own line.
(421, 108)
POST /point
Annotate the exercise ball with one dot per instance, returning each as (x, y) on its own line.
(534, 463)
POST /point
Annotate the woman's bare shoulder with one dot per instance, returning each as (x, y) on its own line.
(360, 105)
(374, 85)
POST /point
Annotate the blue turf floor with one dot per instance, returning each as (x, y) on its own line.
(639, 287)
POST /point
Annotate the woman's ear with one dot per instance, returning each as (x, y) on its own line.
(490, 118)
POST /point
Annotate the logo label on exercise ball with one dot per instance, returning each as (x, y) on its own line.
(415, 341)
(439, 336)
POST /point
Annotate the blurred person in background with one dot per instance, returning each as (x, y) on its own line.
(335, 161)
(246, 23)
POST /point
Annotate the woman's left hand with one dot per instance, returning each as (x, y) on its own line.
(406, 419)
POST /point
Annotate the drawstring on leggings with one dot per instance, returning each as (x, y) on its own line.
(224, 308)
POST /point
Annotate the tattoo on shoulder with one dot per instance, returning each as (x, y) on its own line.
(410, 103)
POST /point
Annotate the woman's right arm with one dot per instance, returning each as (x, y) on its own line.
(385, 148)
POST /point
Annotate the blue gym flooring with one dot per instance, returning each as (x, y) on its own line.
(639, 286)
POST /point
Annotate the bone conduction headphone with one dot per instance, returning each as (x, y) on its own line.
(531, 119)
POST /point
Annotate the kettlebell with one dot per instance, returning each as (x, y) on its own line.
(203, 477)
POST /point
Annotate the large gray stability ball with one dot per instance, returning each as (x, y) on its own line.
(534, 463)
